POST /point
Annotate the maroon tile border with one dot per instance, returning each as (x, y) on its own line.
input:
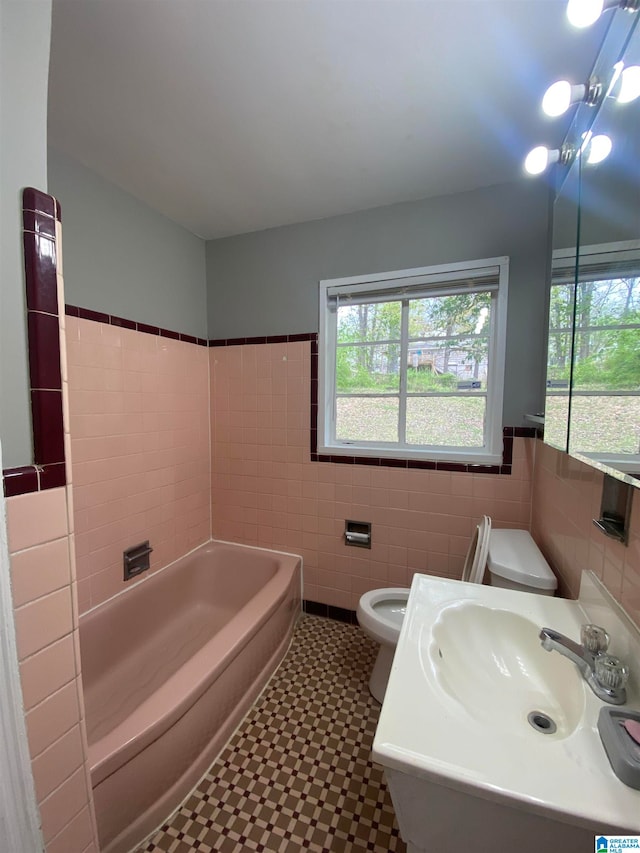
(265, 339)
(124, 323)
(39, 214)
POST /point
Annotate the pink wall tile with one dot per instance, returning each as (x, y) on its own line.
(47, 671)
(76, 835)
(53, 766)
(43, 621)
(566, 497)
(140, 448)
(36, 518)
(421, 519)
(52, 718)
(63, 804)
(40, 570)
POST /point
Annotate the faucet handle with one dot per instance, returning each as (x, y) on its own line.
(611, 672)
(594, 638)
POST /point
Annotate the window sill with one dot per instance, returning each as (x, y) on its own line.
(480, 462)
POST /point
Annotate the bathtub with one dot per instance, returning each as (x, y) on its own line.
(169, 669)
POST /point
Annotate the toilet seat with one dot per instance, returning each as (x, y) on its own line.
(476, 560)
(381, 611)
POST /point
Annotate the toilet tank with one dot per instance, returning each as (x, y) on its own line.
(515, 562)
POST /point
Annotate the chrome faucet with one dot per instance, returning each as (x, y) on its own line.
(606, 675)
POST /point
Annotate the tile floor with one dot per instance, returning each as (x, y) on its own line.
(297, 774)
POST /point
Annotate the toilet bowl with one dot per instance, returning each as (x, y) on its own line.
(514, 561)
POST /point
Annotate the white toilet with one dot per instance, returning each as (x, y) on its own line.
(514, 562)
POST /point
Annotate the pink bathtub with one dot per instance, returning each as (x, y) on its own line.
(169, 669)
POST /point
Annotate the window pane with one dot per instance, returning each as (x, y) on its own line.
(378, 321)
(367, 419)
(368, 369)
(604, 424)
(607, 360)
(556, 418)
(608, 301)
(458, 365)
(444, 316)
(456, 421)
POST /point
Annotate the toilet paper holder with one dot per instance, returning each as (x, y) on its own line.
(357, 533)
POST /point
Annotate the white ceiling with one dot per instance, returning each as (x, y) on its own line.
(231, 116)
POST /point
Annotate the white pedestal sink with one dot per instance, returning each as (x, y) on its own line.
(466, 769)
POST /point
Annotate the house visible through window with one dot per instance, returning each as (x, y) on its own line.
(412, 363)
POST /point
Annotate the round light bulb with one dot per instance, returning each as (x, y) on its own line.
(599, 149)
(629, 84)
(557, 98)
(537, 160)
(583, 13)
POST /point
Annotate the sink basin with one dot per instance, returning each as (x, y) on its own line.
(490, 661)
(468, 671)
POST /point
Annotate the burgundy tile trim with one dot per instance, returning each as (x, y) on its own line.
(264, 339)
(167, 333)
(507, 450)
(33, 199)
(53, 476)
(425, 464)
(505, 469)
(482, 469)
(148, 330)
(123, 323)
(48, 430)
(20, 481)
(507, 431)
(525, 432)
(40, 264)
(40, 272)
(95, 316)
(44, 350)
(39, 223)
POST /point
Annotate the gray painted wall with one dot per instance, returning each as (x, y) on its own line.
(266, 283)
(25, 32)
(123, 258)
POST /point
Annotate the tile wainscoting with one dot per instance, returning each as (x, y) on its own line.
(268, 490)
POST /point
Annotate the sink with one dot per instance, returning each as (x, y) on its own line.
(454, 735)
(490, 661)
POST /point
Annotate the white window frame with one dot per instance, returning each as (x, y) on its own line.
(414, 282)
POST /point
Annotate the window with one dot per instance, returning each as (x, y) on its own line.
(593, 362)
(411, 363)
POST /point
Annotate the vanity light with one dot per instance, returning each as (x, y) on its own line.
(597, 148)
(539, 159)
(583, 13)
(629, 85)
(559, 97)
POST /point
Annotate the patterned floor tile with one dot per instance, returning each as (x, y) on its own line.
(297, 774)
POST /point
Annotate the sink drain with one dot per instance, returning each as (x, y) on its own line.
(541, 722)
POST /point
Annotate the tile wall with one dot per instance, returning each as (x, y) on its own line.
(40, 529)
(139, 414)
(46, 617)
(267, 492)
(566, 499)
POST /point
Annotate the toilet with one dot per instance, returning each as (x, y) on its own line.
(514, 561)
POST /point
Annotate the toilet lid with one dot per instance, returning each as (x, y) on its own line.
(476, 559)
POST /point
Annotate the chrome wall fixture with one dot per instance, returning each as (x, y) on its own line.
(622, 83)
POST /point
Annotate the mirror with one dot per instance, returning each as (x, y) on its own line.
(593, 368)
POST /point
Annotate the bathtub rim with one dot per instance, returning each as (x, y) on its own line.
(145, 577)
(143, 726)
